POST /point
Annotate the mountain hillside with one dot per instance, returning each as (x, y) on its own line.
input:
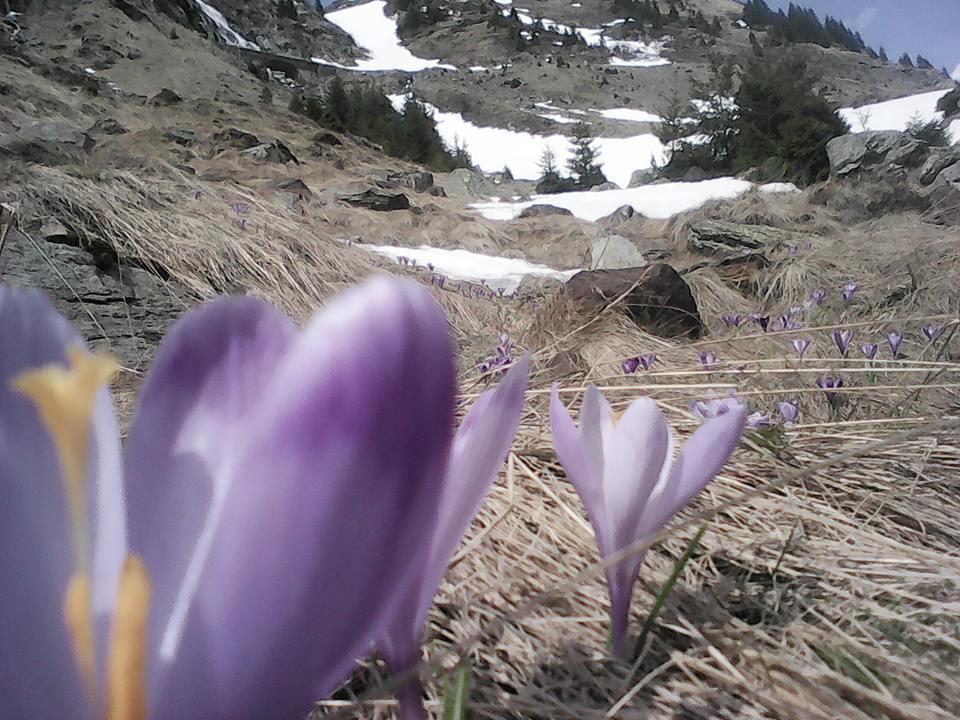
(657, 199)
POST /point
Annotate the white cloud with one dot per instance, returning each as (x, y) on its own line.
(956, 73)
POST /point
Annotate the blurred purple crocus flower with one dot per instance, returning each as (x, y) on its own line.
(801, 345)
(789, 410)
(762, 320)
(842, 339)
(869, 350)
(647, 361)
(895, 340)
(828, 385)
(819, 295)
(849, 290)
(933, 331)
(629, 481)
(758, 420)
(630, 365)
(709, 360)
(275, 492)
(732, 321)
(479, 449)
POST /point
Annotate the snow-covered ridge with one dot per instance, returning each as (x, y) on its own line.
(229, 35)
(376, 33)
(654, 201)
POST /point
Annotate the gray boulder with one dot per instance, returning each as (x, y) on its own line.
(543, 210)
(273, 152)
(605, 186)
(614, 252)
(618, 216)
(376, 199)
(858, 152)
(728, 240)
(642, 177)
(418, 180)
(50, 142)
(938, 161)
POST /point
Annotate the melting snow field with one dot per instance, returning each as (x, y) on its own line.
(376, 33)
(653, 201)
(495, 272)
(898, 114)
(492, 149)
(229, 35)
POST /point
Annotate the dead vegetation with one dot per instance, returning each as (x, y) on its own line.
(827, 583)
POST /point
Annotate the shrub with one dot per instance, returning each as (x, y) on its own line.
(932, 132)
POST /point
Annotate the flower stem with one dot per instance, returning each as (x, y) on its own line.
(667, 589)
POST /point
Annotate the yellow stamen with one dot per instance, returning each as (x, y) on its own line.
(128, 647)
(65, 398)
(79, 616)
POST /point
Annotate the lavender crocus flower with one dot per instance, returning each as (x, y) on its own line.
(732, 321)
(895, 340)
(275, 491)
(828, 385)
(630, 365)
(819, 295)
(869, 350)
(849, 290)
(709, 360)
(479, 449)
(933, 331)
(801, 345)
(762, 320)
(789, 410)
(758, 420)
(647, 361)
(626, 476)
(842, 339)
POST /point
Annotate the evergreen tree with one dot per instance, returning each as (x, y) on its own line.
(584, 166)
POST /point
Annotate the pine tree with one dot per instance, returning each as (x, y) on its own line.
(584, 166)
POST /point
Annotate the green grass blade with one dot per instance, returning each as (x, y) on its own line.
(455, 698)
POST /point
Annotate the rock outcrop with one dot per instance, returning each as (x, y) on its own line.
(655, 297)
(858, 152)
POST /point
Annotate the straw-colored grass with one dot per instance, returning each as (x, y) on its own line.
(827, 584)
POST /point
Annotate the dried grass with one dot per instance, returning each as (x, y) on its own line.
(827, 583)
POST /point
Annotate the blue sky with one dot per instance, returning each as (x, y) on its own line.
(928, 27)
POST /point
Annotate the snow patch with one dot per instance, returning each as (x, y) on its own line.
(376, 33)
(653, 201)
(229, 35)
(630, 115)
(496, 272)
(493, 148)
(894, 114)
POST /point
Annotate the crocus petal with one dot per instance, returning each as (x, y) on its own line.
(40, 678)
(193, 411)
(333, 491)
(704, 454)
(584, 474)
(596, 422)
(479, 449)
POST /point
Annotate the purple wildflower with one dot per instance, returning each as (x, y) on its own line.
(631, 485)
(647, 361)
(758, 420)
(789, 410)
(709, 360)
(762, 320)
(819, 295)
(732, 321)
(801, 345)
(849, 290)
(479, 449)
(828, 385)
(210, 532)
(869, 350)
(895, 340)
(842, 339)
(715, 406)
(933, 331)
(630, 365)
